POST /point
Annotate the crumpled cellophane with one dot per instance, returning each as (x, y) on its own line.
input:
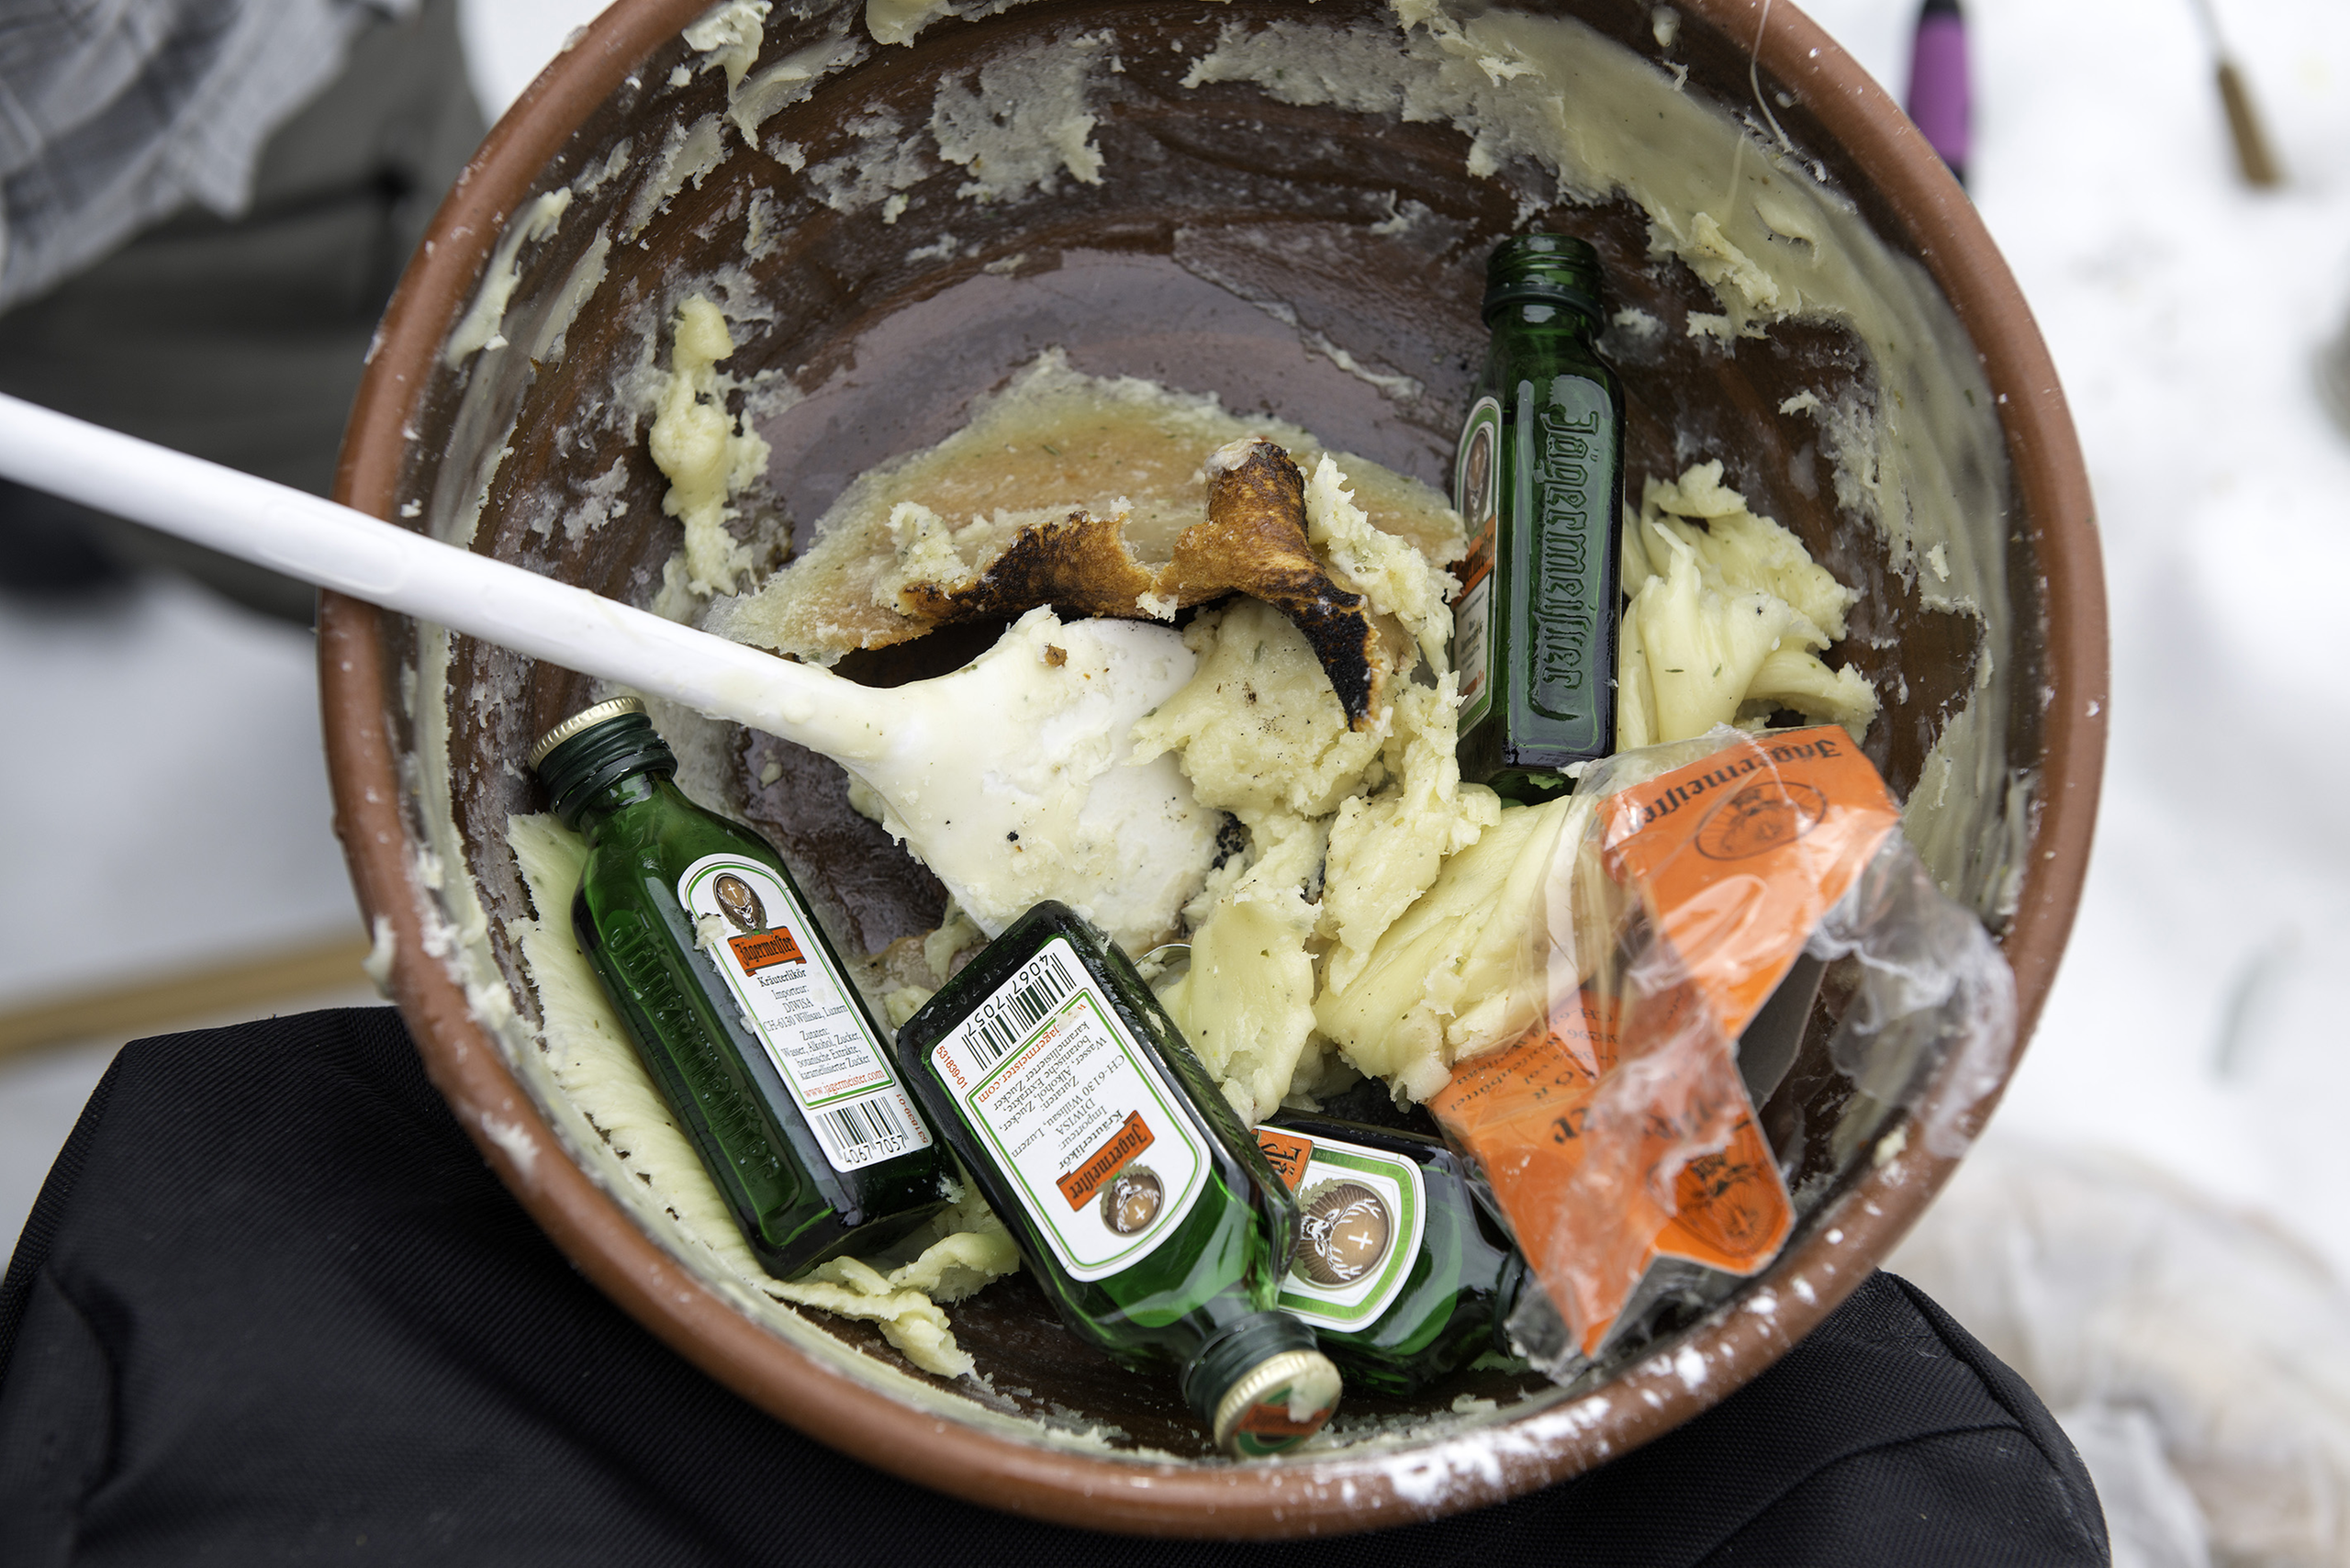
(1617, 1134)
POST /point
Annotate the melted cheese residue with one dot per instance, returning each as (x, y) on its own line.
(1728, 616)
(1054, 442)
(1380, 919)
(708, 453)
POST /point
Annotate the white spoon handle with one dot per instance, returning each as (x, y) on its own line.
(333, 546)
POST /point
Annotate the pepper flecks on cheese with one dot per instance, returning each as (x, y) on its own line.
(1728, 616)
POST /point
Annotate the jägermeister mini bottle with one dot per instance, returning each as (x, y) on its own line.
(738, 1003)
(1402, 1272)
(1142, 1205)
(1537, 481)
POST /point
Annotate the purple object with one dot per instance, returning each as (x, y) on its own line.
(1940, 99)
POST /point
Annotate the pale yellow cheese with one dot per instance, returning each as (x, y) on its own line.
(1247, 1002)
(1728, 614)
(708, 453)
(1258, 730)
(1749, 553)
(1465, 967)
(1385, 847)
(1700, 647)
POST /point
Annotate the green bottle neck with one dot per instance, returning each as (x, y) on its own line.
(600, 809)
(1539, 317)
(1550, 269)
(1245, 1362)
(584, 769)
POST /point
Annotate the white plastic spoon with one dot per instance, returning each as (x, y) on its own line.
(1012, 779)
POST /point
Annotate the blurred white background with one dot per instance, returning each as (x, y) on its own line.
(174, 749)
(2198, 1025)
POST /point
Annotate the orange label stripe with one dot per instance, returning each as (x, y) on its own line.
(765, 950)
(1080, 1185)
(1287, 1153)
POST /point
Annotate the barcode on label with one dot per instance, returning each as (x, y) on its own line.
(864, 1123)
(1021, 1007)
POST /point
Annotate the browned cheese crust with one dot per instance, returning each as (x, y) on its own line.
(1253, 542)
(1081, 564)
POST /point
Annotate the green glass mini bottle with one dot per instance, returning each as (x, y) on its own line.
(1399, 1270)
(1142, 1205)
(739, 1005)
(1538, 484)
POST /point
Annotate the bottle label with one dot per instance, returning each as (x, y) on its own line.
(1076, 1113)
(1476, 496)
(1363, 1216)
(799, 1007)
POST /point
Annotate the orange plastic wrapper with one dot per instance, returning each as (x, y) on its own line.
(1617, 1131)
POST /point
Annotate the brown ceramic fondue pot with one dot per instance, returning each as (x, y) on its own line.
(1216, 202)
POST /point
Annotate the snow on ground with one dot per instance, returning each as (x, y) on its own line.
(2197, 1025)
(507, 42)
(2183, 311)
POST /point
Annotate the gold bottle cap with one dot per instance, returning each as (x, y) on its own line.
(587, 718)
(1276, 1405)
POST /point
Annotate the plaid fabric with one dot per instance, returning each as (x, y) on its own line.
(116, 113)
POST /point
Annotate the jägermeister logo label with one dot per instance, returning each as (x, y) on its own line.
(1347, 1233)
(1076, 1116)
(1363, 1216)
(761, 943)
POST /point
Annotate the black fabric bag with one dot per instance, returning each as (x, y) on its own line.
(272, 1307)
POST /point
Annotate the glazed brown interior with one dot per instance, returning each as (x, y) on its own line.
(1225, 200)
